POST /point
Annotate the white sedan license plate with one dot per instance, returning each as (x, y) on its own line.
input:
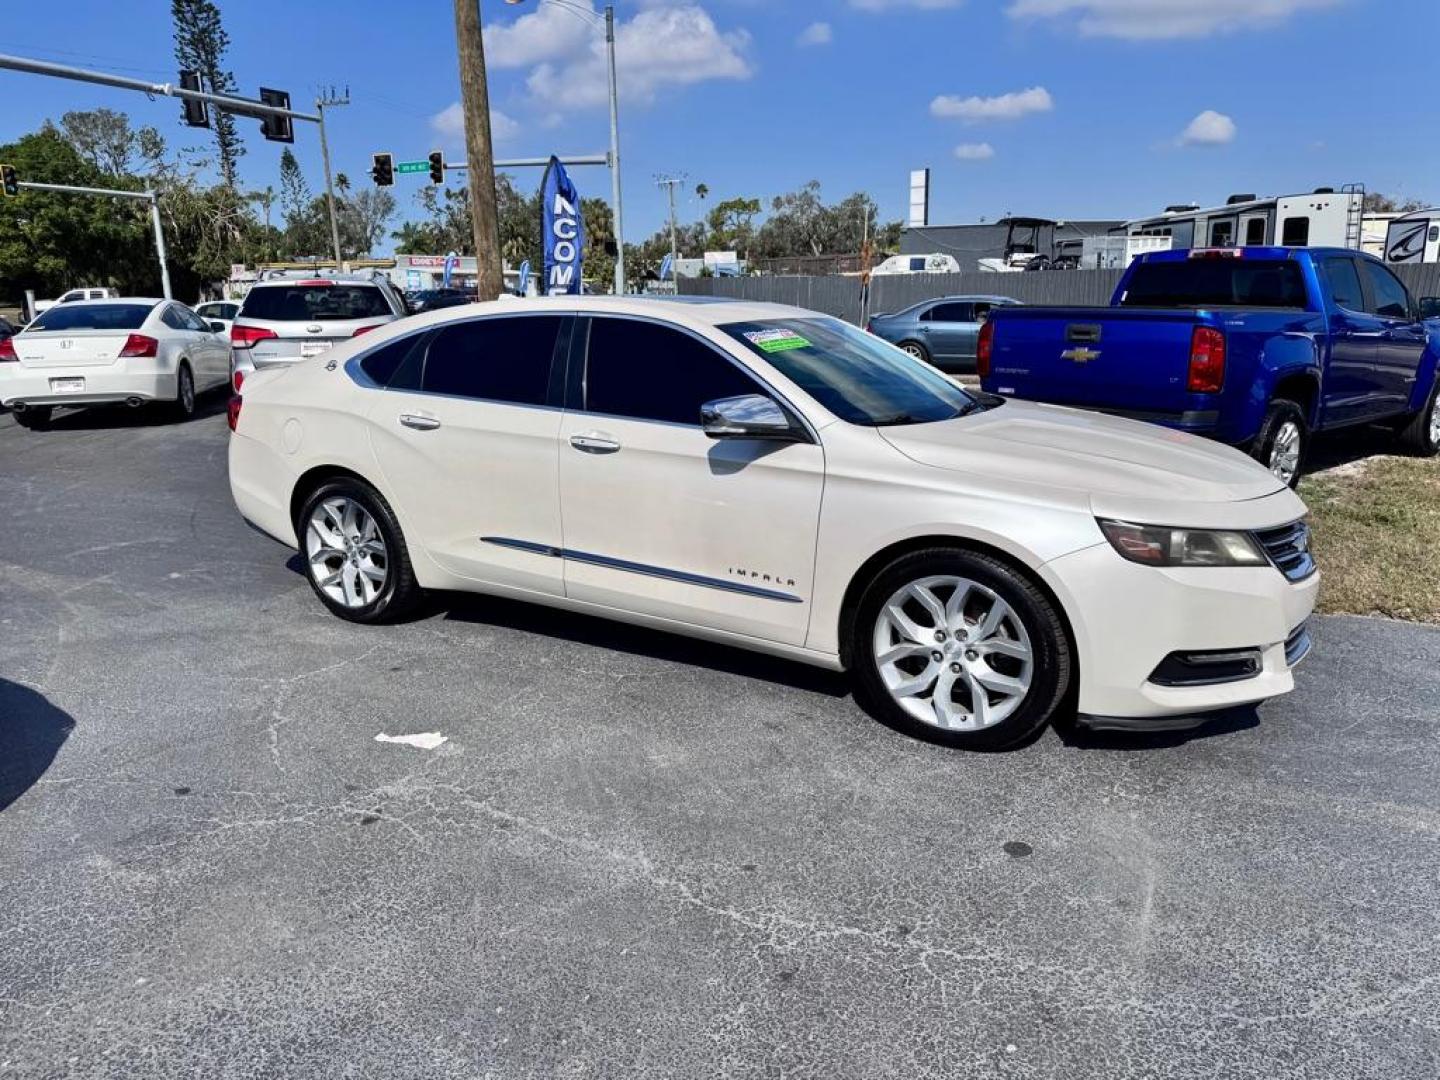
(313, 348)
(67, 386)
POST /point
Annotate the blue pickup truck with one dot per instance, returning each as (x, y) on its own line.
(1259, 347)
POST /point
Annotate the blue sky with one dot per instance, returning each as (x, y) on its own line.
(1060, 108)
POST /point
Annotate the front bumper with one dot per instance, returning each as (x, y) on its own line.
(1128, 618)
(105, 385)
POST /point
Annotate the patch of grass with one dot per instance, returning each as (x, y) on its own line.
(1376, 535)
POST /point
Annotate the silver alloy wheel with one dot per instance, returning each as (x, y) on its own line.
(187, 390)
(1435, 420)
(346, 552)
(953, 654)
(914, 350)
(1285, 451)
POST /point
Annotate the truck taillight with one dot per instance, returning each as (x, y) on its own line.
(140, 345)
(232, 411)
(244, 337)
(237, 380)
(1207, 361)
(984, 346)
(8, 355)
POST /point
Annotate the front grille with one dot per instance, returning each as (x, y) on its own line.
(1289, 549)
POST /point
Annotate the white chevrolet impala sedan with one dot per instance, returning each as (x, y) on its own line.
(777, 479)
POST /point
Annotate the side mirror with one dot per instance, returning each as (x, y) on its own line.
(1429, 307)
(749, 416)
(217, 326)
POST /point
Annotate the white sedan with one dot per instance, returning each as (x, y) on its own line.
(104, 352)
(779, 480)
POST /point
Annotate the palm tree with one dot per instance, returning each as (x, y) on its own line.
(342, 182)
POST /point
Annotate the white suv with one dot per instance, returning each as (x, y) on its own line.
(777, 479)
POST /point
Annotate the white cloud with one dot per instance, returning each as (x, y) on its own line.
(546, 33)
(449, 124)
(1150, 19)
(660, 46)
(975, 151)
(1010, 106)
(817, 33)
(887, 5)
(1210, 128)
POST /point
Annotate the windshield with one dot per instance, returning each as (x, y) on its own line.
(855, 375)
(1216, 282)
(315, 302)
(92, 317)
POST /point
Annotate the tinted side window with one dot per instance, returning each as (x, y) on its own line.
(1387, 296)
(1296, 232)
(1344, 283)
(652, 372)
(950, 313)
(504, 359)
(382, 364)
(194, 322)
(172, 318)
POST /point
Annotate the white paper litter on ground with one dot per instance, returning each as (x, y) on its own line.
(425, 740)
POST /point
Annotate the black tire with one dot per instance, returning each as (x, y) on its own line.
(917, 350)
(1050, 673)
(400, 593)
(1281, 418)
(35, 418)
(183, 407)
(1422, 434)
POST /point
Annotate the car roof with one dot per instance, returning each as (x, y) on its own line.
(120, 300)
(684, 310)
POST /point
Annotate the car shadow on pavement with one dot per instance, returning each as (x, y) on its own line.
(31, 734)
(105, 417)
(1349, 445)
(637, 641)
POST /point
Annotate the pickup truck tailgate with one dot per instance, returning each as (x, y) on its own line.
(1110, 357)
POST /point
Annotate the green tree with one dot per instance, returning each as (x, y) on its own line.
(106, 140)
(200, 44)
(1377, 203)
(732, 224)
(362, 218)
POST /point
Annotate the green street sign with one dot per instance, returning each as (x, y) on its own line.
(412, 166)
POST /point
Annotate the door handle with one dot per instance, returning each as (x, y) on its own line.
(594, 442)
(419, 423)
(924, 329)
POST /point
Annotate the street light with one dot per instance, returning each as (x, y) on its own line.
(609, 21)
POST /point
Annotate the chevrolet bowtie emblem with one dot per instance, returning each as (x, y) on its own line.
(1080, 356)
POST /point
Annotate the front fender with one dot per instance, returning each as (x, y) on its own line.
(1427, 372)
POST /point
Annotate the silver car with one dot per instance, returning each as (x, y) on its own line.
(942, 331)
(287, 318)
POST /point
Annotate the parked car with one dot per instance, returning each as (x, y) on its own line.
(430, 299)
(102, 352)
(73, 295)
(1258, 347)
(220, 314)
(971, 561)
(934, 263)
(286, 318)
(942, 331)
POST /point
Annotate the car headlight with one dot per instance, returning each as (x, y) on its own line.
(1162, 545)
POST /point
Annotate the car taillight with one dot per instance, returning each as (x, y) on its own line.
(232, 411)
(367, 329)
(237, 380)
(140, 345)
(244, 337)
(1207, 361)
(7, 352)
(984, 346)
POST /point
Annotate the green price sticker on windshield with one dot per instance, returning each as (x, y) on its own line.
(776, 340)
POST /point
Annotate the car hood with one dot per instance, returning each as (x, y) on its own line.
(1126, 467)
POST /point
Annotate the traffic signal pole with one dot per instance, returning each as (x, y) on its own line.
(150, 196)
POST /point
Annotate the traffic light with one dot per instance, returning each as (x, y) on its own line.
(197, 113)
(276, 128)
(382, 169)
(9, 179)
(437, 167)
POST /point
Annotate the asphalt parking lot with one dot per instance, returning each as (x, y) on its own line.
(641, 856)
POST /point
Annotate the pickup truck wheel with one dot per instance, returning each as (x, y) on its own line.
(1283, 439)
(1422, 433)
(915, 349)
(956, 647)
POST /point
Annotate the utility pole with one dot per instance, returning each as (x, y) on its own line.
(615, 152)
(475, 100)
(323, 102)
(671, 182)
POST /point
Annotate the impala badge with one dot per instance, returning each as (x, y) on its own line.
(1081, 355)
